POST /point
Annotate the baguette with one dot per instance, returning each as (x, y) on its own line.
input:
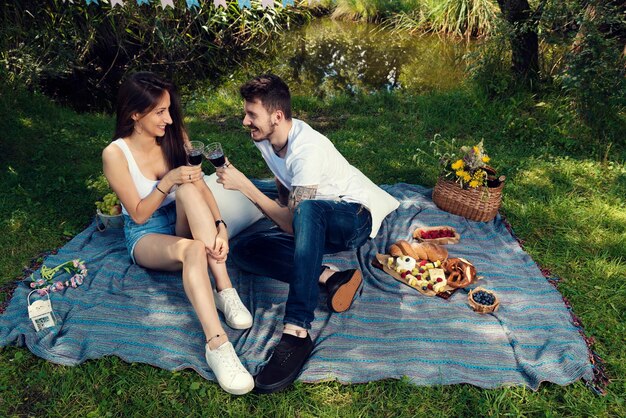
(407, 249)
(401, 248)
(395, 251)
(436, 252)
(423, 251)
(420, 251)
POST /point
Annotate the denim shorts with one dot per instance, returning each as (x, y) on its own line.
(162, 221)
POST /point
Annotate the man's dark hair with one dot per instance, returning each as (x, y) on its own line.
(271, 90)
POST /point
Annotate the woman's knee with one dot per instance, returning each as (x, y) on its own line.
(193, 249)
(187, 191)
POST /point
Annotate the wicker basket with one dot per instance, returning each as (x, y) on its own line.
(480, 204)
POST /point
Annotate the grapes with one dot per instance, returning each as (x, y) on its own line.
(109, 205)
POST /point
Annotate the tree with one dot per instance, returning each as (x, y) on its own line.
(523, 38)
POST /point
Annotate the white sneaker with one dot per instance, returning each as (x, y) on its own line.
(236, 314)
(230, 373)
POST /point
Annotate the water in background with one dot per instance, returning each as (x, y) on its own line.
(323, 58)
(328, 57)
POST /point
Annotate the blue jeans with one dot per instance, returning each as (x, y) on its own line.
(320, 227)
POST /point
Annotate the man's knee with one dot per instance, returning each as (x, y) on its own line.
(307, 209)
(241, 250)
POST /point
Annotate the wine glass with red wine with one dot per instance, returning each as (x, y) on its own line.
(215, 154)
(195, 150)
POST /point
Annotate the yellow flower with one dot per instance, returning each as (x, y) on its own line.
(467, 177)
(458, 165)
(462, 173)
(474, 183)
(486, 159)
(476, 150)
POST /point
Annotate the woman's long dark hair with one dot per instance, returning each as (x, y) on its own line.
(140, 93)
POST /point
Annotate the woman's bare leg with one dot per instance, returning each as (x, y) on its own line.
(166, 252)
(171, 253)
(194, 217)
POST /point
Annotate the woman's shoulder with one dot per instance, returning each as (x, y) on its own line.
(113, 150)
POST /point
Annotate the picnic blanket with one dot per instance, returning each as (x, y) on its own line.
(391, 331)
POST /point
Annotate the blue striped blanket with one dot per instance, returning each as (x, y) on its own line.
(391, 331)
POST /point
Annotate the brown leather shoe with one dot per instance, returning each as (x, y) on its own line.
(342, 287)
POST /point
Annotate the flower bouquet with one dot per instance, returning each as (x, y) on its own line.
(467, 186)
(470, 169)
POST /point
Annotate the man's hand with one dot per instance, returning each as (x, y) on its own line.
(231, 178)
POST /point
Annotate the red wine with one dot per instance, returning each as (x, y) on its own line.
(217, 160)
(195, 157)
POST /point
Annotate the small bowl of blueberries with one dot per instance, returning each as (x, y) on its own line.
(483, 301)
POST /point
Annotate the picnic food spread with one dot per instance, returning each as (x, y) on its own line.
(426, 267)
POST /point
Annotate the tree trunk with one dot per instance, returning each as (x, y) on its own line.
(588, 16)
(524, 39)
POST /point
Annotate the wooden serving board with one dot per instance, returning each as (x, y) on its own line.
(381, 263)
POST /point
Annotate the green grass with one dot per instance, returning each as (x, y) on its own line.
(470, 18)
(564, 197)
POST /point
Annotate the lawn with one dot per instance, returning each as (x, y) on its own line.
(564, 199)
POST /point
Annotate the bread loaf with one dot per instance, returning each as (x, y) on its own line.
(401, 248)
(420, 251)
(435, 252)
(430, 252)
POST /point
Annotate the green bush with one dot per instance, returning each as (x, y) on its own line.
(469, 18)
(489, 66)
(462, 17)
(594, 74)
(84, 50)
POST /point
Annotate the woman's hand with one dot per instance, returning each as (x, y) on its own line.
(184, 174)
(220, 251)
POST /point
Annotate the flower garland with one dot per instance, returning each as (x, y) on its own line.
(46, 283)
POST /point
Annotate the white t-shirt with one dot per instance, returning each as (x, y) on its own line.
(312, 160)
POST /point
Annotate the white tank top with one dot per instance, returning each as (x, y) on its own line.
(144, 185)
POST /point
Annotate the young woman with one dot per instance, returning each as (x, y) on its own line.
(171, 220)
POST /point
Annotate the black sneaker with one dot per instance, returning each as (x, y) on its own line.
(285, 364)
(342, 287)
